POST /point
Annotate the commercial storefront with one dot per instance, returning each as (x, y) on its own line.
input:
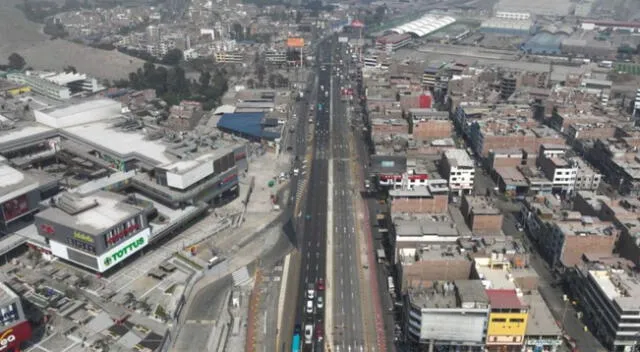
(96, 231)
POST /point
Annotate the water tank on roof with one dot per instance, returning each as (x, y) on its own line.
(426, 101)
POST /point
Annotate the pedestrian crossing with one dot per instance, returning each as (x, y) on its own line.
(353, 347)
(241, 276)
(302, 183)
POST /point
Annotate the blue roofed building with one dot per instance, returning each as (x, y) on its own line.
(254, 126)
(544, 43)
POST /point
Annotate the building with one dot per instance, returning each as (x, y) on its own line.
(593, 49)
(565, 236)
(562, 172)
(229, 57)
(419, 266)
(96, 231)
(432, 198)
(393, 42)
(591, 25)
(186, 116)
(587, 179)
(447, 315)
(15, 328)
(618, 162)
(607, 290)
(481, 215)
(507, 321)
(459, 169)
(276, 57)
(20, 194)
(425, 25)
(41, 86)
(513, 15)
(254, 126)
(544, 44)
(541, 333)
(507, 26)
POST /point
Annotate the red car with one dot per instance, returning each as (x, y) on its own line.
(320, 285)
(319, 332)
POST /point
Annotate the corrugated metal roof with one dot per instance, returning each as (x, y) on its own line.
(247, 124)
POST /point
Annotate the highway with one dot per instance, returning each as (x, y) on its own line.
(311, 236)
(347, 333)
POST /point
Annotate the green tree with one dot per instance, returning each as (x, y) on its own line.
(204, 79)
(16, 62)
(173, 57)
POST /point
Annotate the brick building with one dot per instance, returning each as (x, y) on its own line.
(481, 215)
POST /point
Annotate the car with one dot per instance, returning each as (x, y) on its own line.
(320, 285)
(309, 307)
(308, 334)
(311, 292)
(296, 172)
(519, 228)
(320, 302)
(319, 332)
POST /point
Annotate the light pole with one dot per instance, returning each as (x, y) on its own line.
(565, 298)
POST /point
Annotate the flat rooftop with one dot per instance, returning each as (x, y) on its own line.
(482, 205)
(435, 225)
(457, 294)
(621, 287)
(91, 214)
(459, 158)
(504, 299)
(14, 183)
(540, 322)
(7, 296)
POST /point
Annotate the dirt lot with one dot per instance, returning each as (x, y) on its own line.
(26, 38)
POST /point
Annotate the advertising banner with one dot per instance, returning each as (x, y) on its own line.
(11, 338)
(15, 207)
(295, 42)
(123, 250)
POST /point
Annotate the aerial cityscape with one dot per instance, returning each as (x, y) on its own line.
(316, 176)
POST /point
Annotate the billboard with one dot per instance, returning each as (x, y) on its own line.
(11, 338)
(15, 207)
(343, 39)
(295, 42)
(124, 250)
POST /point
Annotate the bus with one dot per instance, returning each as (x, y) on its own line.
(295, 342)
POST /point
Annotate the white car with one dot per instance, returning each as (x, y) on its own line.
(309, 308)
(296, 172)
(320, 302)
(308, 334)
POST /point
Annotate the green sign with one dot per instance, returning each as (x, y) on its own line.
(124, 251)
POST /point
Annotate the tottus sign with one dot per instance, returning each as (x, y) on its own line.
(123, 250)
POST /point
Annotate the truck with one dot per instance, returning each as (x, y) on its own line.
(295, 342)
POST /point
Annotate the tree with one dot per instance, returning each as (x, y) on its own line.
(16, 61)
(70, 69)
(260, 72)
(173, 57)
(204, 79)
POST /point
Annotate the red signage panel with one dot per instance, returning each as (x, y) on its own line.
(12, 338)
(15, 207)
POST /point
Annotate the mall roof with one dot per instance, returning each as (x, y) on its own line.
(249, 125)
(91, 214)
(14, 183)
(424, 25)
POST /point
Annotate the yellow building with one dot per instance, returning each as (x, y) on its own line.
(18, 90)
(507, 321)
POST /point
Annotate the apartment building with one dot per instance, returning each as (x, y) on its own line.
(421, 265)
(481, 215)
(564, 236)
(229, 57)
(442, 315)
(561, 171)
(607, 290)
(430, 199)
(619, 162)
(392, 42)
(459, 169)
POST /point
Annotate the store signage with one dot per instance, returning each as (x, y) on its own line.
(123, 233)
(10, 315)
(47, 229)
(7, 338)
(11, 338)
(123, 251)
(82, 237)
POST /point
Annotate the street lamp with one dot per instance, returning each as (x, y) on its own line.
(565, 298)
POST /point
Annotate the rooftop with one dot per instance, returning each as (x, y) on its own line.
(619, 286)
(540, 321)
(79, 113)
(250, 124)
(7, 296)
(91, 214)
(417, 229)
(459, 158)
(14, 183)
(504, 299)
(482, 205)
(467, 294)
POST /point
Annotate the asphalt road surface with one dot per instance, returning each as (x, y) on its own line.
(312, 240)
(348, 332)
